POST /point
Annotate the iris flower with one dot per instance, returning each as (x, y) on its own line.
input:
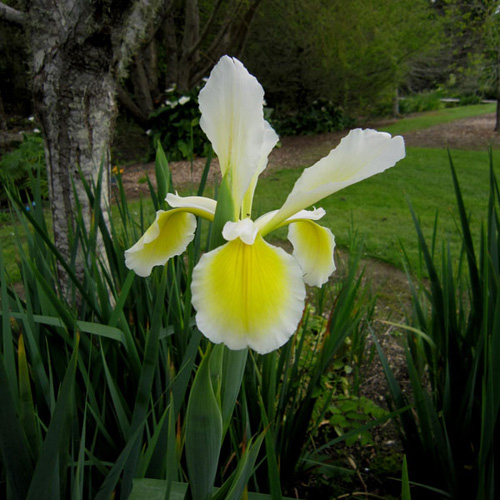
(247, 292)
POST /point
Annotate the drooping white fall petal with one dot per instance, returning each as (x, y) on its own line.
(248, 295)
(361, 154)
(168, 236)
(313, 247)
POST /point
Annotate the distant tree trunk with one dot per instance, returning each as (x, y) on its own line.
(189, 52)
(142, 86)
(3, 120)
(497, 122)
(169, 40)
(395, 103)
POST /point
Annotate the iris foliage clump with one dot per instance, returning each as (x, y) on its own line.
(452, 354)
(106, 389)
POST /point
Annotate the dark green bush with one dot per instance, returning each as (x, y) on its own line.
(418, 103)
(175, 126)
(470, 99)
(321, 116)
(19, 165)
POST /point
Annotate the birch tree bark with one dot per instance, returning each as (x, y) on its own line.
(79, 50)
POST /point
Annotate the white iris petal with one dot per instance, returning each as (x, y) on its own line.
(361, 154)
(313, 247)
(194, 202)
(232, 117)
(248, 295)
(168, 236)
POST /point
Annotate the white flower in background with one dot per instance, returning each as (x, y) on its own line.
(247, 292)
(183, 100)
(171, 104)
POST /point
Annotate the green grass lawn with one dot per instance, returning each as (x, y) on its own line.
(431, 118)
(377, 208)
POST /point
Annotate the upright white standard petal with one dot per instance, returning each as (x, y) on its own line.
(270, 140)
(361, 154)
(232, 116)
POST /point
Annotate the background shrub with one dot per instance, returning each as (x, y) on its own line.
(321, 116)
(417, 103)
(175, 126)
(19, 165)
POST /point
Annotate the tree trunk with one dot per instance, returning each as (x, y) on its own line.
(395, 103)
(74, 98)
(79, 49)
(150, 53)
(497, 121)
(142, 88)
(170, 42)
(76, 106)
(189, 57)
(126, 101)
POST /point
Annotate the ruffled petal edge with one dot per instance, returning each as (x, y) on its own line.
(248, 295)
(168, 236)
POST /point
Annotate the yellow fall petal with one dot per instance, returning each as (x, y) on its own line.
(248, 295)
(169, 235)
(313, 247)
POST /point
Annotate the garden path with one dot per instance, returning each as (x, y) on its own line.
(469, 133)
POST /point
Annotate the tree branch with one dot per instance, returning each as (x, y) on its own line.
(242, 34)
(126, 101)
(191, 50)
(191, 26)
(128, 38)
(12, 16)
(240, 38)
(226, 25)
(158, 20)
